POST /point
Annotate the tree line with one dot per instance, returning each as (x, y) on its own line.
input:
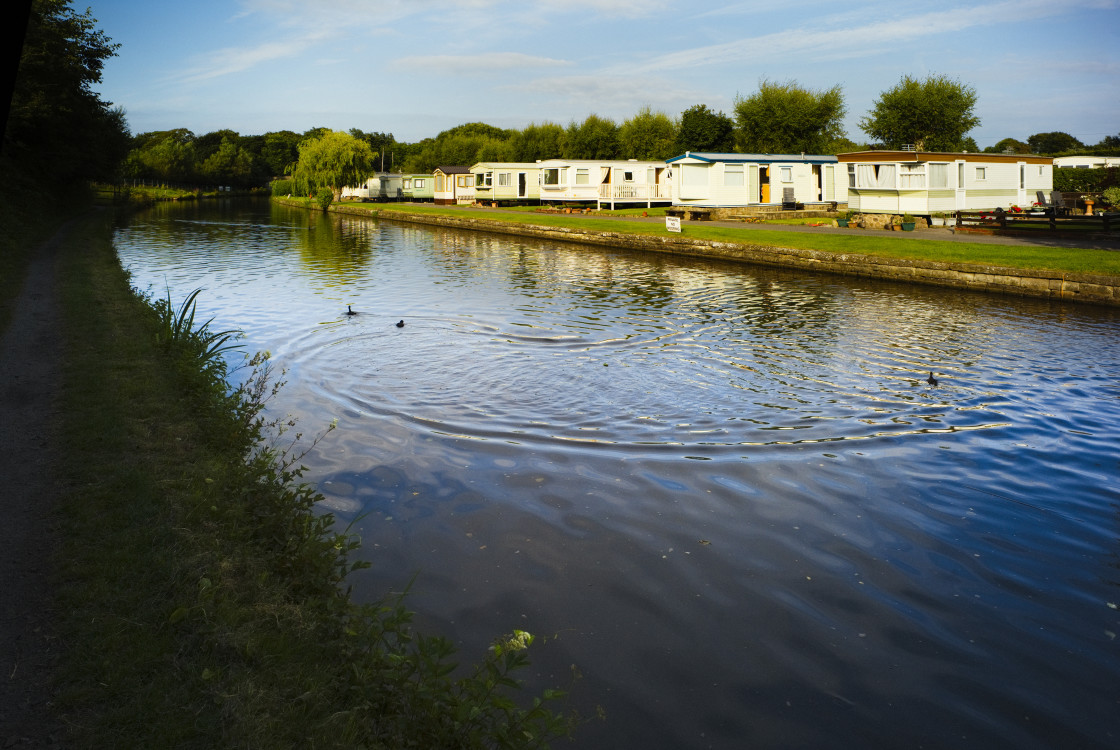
(60, 126)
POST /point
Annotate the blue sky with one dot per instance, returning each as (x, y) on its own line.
(416, 67)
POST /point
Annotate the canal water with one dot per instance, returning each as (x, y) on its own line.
(725, 496)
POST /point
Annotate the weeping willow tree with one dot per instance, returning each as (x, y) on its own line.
(333, 160)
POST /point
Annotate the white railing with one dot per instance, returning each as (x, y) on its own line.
(635, 191)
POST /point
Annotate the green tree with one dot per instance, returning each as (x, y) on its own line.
(280, 151)
(1053, 143)
(231, 164)
(478, 129)
(207, 145)
(648, 135)
(932, 115)
(1110, 142)
(701, 129)
(333, 161)
(1008, 145)
(594, 138)
(543, 141)
(58, 129)
(166, 155)
(786, 118)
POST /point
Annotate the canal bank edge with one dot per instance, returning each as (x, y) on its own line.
(1071, 287)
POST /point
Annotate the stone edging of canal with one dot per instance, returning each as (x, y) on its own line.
(1072, 287)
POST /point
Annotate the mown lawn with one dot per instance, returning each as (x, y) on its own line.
(890, 245)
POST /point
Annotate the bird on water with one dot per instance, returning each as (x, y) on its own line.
(931, 380)
(349, 311)
(400, 324)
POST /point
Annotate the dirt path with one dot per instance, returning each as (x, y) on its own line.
(30, 382)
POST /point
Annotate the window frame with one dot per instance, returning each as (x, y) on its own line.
(730, 170)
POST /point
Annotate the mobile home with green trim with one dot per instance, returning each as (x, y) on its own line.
(507, 182)
(927, 182)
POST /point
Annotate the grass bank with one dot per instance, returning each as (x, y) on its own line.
(202, 599)
(890, 245)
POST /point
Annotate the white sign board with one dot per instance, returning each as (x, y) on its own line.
(673, 223)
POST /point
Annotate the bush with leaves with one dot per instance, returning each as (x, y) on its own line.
(266, 629)
(1112, 197)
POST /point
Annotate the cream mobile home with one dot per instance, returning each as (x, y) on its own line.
(606, 181)
(731, 180)
(927, 182)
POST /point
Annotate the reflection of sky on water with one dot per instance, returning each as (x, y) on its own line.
(729, 492)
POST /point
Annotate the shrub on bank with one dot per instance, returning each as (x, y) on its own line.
(377, 682)
(1073, 180)
(282, 188)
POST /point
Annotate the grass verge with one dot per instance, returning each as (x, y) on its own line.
(891, 245)
(202, 597)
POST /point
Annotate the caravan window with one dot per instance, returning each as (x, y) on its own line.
(787, 174)
(875, 176)
(484, 179)
(627, 176)
(981, 173)
(504, 179)
(583, 176)
(939, 175)
(911, 176)
(552, 176)
(733, 175)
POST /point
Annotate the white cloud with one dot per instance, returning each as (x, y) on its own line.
(827, 40)
(608, 96)
(480, 63)
(231, 60)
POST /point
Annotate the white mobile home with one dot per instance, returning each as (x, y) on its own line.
(926, 182)
(730, 180)
(606, 181)
(1087, 162)
(383, 186)
(452, 185)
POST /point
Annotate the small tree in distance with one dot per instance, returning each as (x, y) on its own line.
(701, 129)
(784, 118)
(932, 115)
(1053, 143)
(647, 135)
